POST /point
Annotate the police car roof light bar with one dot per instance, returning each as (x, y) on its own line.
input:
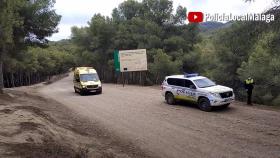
(190, 75)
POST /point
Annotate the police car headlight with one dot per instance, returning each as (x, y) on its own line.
(83, 86)
(215, 95)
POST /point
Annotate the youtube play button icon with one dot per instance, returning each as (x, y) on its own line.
(195, 17)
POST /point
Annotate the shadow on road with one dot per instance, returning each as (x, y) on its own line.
(86, 94)
(217, 109)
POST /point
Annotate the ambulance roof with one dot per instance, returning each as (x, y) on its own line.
(85, 70)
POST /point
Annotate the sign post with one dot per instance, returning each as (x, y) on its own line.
(117, 65)
(116, 61)
(129, 61)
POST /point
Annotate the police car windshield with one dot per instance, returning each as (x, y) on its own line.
(89, 77)
(204, 82)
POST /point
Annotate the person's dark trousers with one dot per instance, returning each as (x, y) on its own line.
(249, 97)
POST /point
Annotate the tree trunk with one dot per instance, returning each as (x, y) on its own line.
(7, 80)
(12, 80)
(19, 78)
(157, 76)
(1, 72)
(25, 79)
(29, 78)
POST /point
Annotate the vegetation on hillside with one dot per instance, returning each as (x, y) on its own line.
(24, 24)
(228, 54)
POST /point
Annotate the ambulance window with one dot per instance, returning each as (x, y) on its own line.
(189, 84)
(89, 77)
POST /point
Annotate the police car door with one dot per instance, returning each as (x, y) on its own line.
(180, 88)
(190, 90)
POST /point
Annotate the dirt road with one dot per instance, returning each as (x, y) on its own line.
(139, 114)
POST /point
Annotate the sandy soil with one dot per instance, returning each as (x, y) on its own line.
(140, 115)
(35, 127)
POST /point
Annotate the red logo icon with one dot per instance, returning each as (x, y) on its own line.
(195, 17)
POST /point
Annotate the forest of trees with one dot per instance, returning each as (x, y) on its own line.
(227, 55)
(24, 26)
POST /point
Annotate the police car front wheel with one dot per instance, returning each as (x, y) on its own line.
(169, 97)
(204, 104)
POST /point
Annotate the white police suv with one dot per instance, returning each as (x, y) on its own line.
(197, 89)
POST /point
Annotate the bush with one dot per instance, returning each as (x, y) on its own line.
(163, 66)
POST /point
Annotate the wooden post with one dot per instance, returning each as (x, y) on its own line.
(145, 77)
(123, 78)
(140, 78)
(126, 77)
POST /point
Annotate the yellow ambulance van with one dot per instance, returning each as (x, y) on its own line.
(86, 80)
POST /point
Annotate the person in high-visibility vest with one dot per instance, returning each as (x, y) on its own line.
(249, 86)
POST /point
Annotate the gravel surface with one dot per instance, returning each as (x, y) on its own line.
(140, 115)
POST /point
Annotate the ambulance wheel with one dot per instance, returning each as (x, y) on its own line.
(204, 104)
(83, 92)
(99, 92)
(169, 97)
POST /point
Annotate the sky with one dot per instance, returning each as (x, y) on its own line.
(79, 12)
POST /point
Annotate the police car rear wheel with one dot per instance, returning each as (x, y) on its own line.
(169, 97)
(204, 104)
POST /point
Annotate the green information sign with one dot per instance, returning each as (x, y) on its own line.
(116, 61)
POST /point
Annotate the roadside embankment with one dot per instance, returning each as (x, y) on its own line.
(33, 126)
